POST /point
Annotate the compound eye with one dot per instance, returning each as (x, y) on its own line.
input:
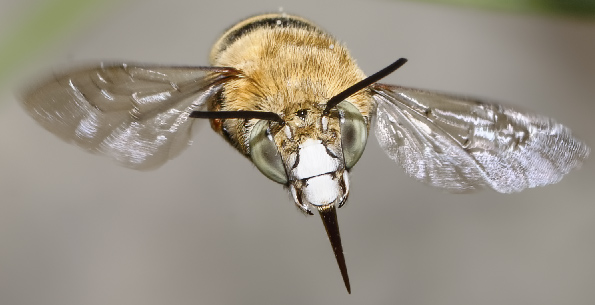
(264, 153)
(354, 133)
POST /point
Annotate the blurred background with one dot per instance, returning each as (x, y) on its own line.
(208, 228)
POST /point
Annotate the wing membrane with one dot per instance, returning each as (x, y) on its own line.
(462, 144)
(135, 114)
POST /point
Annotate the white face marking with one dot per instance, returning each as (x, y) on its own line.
(313, 160)
(321, 190)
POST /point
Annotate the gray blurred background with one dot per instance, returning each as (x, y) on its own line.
(208, 228)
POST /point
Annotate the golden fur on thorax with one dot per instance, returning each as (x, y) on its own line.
(282, 70)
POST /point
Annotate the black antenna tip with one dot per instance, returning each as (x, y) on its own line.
(363, 84)
(328, 214)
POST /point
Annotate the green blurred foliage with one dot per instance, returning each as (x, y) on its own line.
(579, 8)
(44, 24)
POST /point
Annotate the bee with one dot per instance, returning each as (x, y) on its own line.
(290, 98)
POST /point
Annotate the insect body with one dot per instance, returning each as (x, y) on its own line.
(290, 98)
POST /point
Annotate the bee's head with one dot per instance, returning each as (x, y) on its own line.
(311, 152)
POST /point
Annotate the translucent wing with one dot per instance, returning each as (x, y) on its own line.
(135, 114)
(461, 144)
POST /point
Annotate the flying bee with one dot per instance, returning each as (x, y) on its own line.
(290, 98)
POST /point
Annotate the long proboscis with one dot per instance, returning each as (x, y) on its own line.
(328, 214)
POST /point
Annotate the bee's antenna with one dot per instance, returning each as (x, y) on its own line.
(263, 115)
(362, 84)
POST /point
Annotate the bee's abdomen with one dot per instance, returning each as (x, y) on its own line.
(260, 22)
